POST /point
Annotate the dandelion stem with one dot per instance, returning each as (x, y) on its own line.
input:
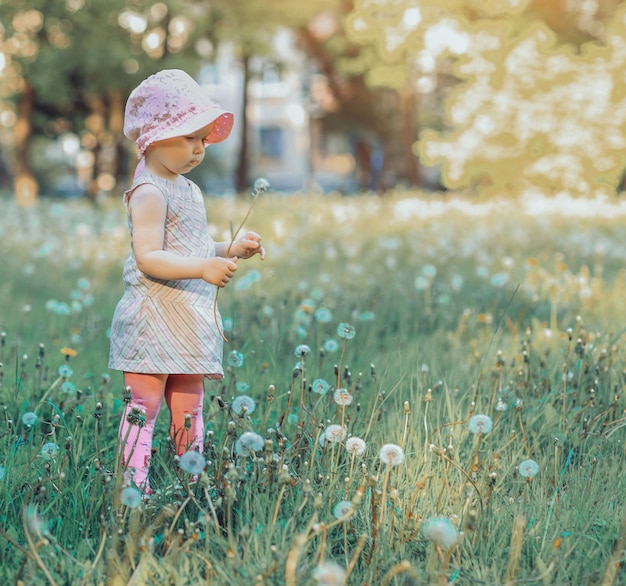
(262, 186)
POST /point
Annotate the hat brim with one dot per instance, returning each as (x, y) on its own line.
(221, 122)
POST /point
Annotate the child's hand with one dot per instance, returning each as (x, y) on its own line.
(248, 246)
(218, 270)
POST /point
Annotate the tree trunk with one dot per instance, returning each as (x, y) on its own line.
(241, 178)
(25, 185)
(409, 136)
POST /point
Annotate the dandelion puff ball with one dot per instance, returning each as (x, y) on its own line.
(343, 510)
(391, 454)
(343, 397)
(335, 433)
(130, 497)
(248, 443)
(441, 531)
(355, 446)
(49, 451)
(192, 462)
(29, 418)
(480, 424)
(528, 468)
(329, 574)
(320, 386)
(243, 402)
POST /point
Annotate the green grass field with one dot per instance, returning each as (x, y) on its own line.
(438, 387)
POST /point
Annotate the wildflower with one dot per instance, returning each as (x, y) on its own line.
(65, 371)
(499, 279)
(29, 418)
(501, 405)
(130, 497)
(302, 350)
(343, 397)
(331, 345)
(355, 446)
(323, 315)
(335, 433)
(528, 468)
(49, 451)
(235, 359)
(391, 454)
(441, 531)
(480, 424)
(429, 271)
(421, 283)
(243, 402)
(248, 443)
(320, 386)
(329, 574)
(68, 352)
(192, 462)
(68, 387)
(346, 331)
(343, 510)
(261, 185)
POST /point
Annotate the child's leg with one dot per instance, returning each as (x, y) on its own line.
(147, 392)
(184, 394)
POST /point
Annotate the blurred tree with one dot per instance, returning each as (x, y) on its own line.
(250, 27)
(69, 65)
(525, 105)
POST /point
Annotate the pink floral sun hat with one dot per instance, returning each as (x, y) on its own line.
(168, 104)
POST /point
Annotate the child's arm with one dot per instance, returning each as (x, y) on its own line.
(246, 247)
(148, 210)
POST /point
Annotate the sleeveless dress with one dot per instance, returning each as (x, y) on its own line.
(168, 326)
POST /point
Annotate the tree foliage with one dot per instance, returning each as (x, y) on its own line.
(533, 105)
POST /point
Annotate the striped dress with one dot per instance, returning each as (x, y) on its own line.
(168, 327)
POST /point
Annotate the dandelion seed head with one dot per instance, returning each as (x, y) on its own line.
(320, 386)
(261, 185)
(343, 397)
(242, 402)
(130, 497)
(329, 573)
(346, 331)
(235, 359)
(501, 405)
(343, 509)
(65, 371)
(331, 345)
(335, 433)
(355, 446)
(248, 443)
(528, 468)
(302, 350)
(480, 424)
(30, 418)
(391, 454)
(49, 451)
(323, 315)
(192, 462)
(441, 531)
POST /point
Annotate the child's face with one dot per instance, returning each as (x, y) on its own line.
(178, 155)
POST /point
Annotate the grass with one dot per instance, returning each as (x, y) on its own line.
(507, 309)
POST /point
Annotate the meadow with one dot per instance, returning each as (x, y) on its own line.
(420, 389)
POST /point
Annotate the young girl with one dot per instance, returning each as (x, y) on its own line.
(164, 335)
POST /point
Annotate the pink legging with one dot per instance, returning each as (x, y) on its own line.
(183, 394)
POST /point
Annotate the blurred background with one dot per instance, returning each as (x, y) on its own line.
(485, 97)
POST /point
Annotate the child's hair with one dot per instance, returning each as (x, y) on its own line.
(169, 104)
